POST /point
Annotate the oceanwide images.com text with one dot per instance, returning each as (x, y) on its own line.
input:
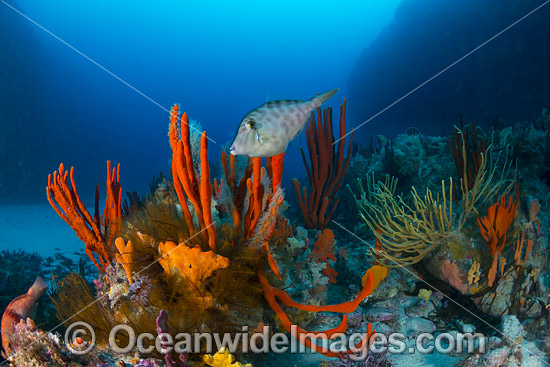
(80, 337)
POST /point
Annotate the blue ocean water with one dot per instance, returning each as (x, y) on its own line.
(87, 81)
(217, 59)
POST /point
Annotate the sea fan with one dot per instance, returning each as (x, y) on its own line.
(266, 224)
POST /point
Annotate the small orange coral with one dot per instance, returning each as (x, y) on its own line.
(323, 251)
(493, 228)
(125, 257)
(474, 273)
(378, 272)
(518, 249)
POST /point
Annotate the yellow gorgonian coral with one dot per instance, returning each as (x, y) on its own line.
(407, 229)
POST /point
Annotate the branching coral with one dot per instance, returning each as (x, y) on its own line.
(188, 183)
(180, 262)
(238, 191)
(469, 164)
(408, 232)
(520, 256)
(251, 197)
(266, 226)
(67, 204)
(493, 228)
(327, 168)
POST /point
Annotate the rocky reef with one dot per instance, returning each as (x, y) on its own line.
(430, 35)
(437, 235)
(194, 256)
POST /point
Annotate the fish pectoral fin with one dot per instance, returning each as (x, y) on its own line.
(298, 133)
(294, 142)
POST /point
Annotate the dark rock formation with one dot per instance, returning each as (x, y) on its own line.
(508, 76)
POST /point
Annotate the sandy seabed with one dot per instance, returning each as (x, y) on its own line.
(36, 228)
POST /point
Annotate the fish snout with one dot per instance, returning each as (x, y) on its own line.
(237, 150)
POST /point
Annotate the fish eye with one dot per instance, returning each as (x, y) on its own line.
(251, 124)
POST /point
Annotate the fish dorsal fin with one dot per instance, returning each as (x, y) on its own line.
(322, 98)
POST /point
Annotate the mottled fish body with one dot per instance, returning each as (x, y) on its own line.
(19, 309)
(267, 130)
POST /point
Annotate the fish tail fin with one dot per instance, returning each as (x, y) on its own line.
(326, 96)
